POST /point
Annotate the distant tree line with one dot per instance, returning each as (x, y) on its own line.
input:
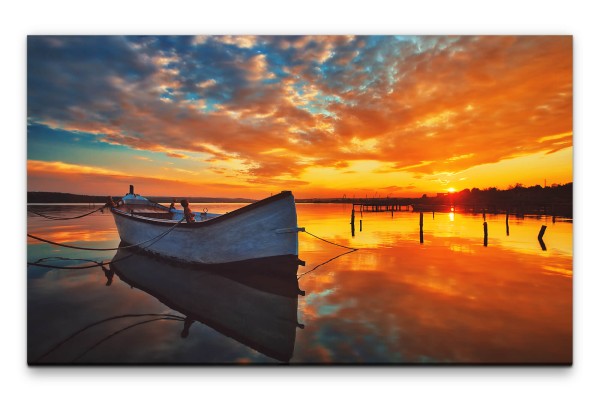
(518, 194)
(59, 197)
(555, 199)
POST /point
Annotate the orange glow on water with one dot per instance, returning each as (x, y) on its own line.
(449, 299)
(449, 290)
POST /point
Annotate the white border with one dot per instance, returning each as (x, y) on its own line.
(301, 17)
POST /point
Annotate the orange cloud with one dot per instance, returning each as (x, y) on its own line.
(63, 177)
(258, 68)
(176, 155)
(242, 41)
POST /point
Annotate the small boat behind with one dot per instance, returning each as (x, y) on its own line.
(245, 301)
(262, 229)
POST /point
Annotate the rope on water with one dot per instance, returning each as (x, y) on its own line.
(179, 319)
(63, 218)
(160, 315)
(157, 238)
(95, 263)
(329, 260)
(324, 263)
(332, 243)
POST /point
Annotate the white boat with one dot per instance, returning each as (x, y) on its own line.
(262, 229)
(244, 300)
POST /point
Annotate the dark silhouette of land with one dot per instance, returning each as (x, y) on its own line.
(555, 200)
(60, 197)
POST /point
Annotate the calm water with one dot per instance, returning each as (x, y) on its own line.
(395, 300)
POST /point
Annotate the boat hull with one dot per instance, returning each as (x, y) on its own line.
(262, 229)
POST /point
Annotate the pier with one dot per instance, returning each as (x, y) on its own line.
(383, 205)
(417, 205)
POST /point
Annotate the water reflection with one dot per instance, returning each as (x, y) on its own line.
(254, 302)
(448, 300)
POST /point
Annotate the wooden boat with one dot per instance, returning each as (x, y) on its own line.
(262, 229)
(242, 300)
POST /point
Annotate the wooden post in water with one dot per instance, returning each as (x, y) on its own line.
(360, 225)
(433, 214)
(553, 219)
(542, 232)
(421, 227)
(352, 222)
(485, 234)
(540, 237)
(507, 231)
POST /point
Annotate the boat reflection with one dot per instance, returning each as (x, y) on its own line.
(253, 302)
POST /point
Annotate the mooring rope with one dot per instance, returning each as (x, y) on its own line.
(63, 218)
(179, 319)
(324, 263)
(329, 242)
(161, 315)
(329, 260)
(158, 237)
(95, 263)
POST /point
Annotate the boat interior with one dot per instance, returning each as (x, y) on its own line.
(155, 212)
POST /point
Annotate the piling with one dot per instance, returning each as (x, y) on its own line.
(352, 217)
(507, 230)
(542, 232)
(360, 225)
(433, 214)
(485, 233)
(421, 227)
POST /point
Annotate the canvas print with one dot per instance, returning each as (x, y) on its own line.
(301, 200)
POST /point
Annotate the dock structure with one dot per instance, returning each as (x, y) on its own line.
(417, 205)
(383, 205)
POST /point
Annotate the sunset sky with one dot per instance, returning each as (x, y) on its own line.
(323, 116)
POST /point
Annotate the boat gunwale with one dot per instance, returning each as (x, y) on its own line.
(200, 224)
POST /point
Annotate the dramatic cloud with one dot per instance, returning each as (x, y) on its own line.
(280, 108)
